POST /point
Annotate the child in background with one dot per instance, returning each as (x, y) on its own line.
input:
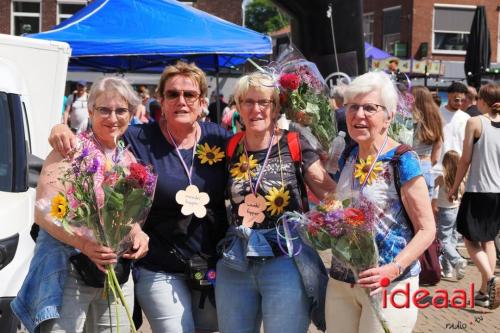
(446, 216)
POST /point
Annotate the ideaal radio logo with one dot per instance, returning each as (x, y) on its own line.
(423, 298)
(440, 298)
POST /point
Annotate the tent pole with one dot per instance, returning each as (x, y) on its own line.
(217, 89)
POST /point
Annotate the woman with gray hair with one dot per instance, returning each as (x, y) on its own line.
(366, 176)
(56, 295)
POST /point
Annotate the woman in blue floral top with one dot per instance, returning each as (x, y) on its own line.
(367, 174)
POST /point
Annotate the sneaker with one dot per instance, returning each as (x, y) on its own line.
(494, 292)
(446, 274)
(482, 299)
(460, 268)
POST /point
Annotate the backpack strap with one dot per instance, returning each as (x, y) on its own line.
(232, 144)
(293, 140)
(396, 162)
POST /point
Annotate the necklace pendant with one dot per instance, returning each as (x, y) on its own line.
(252, 209)
(192, 201)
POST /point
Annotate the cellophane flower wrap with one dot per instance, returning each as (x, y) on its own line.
(347, 229)
(401, 128)
(304, 99)
(103, 198)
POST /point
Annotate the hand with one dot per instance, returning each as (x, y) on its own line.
(62, 139)
(371, 277)
(100, 255)
(140, 246)
(453, 194)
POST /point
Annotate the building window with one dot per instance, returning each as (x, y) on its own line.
(25, 17)
(368, 20)
(391, 28)
(67, 8)
(451, 28)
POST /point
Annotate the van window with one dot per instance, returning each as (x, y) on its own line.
(6, 149)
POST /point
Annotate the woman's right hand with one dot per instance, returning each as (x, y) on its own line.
(100, 255)
(453, 194)
(62, 139)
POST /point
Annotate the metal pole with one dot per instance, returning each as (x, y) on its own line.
(217, 90)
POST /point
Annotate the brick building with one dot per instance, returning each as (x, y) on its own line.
(31, 16)
(431, 29)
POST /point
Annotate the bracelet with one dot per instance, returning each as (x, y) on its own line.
(400, 268)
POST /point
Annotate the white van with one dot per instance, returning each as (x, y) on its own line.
(32, 81)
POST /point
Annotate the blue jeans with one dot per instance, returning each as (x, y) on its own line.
(447, 224)
(170, 305)
(426, 167)
(271, 290)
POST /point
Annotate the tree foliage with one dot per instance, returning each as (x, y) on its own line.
(263, 16)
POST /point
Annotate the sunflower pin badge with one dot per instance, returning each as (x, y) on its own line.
(362, 170)
(242, 168)
(208, 154)
(277, 200)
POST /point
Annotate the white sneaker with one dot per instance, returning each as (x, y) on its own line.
(446, 274)
(460, 268)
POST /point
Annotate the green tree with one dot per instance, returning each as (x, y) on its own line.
(263, 16)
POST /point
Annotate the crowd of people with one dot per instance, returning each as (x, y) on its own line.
(249, 169)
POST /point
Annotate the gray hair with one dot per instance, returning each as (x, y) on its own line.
(114, 85)
(259, 81)
(374, 81)
(338, 91)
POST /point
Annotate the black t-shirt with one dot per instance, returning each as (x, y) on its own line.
(240, 187)
(166, 226)
(212, 110)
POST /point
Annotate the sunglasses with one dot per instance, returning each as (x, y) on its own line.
(190, 96)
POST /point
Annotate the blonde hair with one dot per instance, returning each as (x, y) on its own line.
(426, 113)
(188, 70)
(259, 81)
(450, 165)
(114, 85)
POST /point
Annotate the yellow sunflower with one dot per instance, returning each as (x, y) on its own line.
(277, 200)
(362, 168)
(59, 207)
(209, 154)
(243, 167)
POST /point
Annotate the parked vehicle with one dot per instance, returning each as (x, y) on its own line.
(32, 81)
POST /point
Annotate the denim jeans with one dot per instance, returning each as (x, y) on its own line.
(85, 310)
(447, 224)
(426, 167)
(271, 290)
(170, 305)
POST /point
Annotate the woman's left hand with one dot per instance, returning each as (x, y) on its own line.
(371, 277)
(140, 241)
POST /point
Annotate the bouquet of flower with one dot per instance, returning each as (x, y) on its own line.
(103, 199)
(304, 99)
(348, 231)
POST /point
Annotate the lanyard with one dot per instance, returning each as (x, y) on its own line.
(261, 172)
(371, 166)
(189, 171)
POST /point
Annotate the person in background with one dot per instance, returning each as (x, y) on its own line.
(446, 213)
(212, 108)
(339, 111)
(428, 134)
(227, 114)
(76, 115)
(470, 104)
(478, 216)
(436, 98)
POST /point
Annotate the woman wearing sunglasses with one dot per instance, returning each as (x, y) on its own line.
(188, 216)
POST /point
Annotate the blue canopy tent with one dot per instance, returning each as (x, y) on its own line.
(145, 35)
(375, 53)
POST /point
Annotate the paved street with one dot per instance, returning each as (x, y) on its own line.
(477, 320)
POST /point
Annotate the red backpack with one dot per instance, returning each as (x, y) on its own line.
(293, 140)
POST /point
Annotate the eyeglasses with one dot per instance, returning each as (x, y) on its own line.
(190, 96)
(369, 108)
(262, 103)
(105, 112)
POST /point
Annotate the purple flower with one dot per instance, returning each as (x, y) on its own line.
(94, 166)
